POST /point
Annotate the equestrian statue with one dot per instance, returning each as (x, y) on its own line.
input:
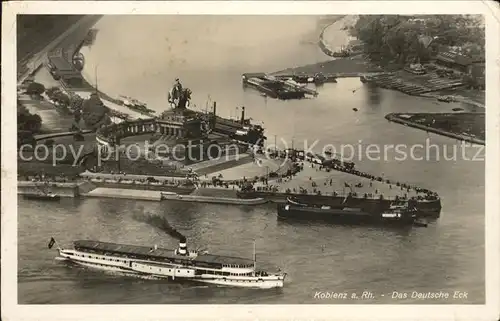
(179, 97)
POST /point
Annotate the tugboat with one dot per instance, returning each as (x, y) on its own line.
(180, 263)
(136, 105)
(445, 99)
(400, 213)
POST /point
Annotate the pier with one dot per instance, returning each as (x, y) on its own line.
(305, 77)
(408, 119)
(411, 84)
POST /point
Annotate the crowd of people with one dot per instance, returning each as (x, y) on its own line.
(298, 165)
(44, 178)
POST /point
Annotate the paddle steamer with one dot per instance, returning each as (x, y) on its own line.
(180, 263)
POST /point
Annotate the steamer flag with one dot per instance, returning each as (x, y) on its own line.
(51, 242)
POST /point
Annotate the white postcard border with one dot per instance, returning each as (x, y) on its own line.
(12, 311)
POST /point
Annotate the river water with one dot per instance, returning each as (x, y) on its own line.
(141, 56)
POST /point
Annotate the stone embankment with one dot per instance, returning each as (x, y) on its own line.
(406, 120)
(68, 189)
(336, 35)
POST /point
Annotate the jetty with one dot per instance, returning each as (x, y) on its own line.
(411, 84)
(466, 130)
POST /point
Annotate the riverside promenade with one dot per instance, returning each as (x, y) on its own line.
(335, 36)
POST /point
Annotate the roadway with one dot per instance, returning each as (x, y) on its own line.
(72, 36)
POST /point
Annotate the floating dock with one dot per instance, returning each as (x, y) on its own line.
(275, 87)
(309, 79)
(212, 199)
(146, 195)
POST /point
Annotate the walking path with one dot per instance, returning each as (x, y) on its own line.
(336, 34)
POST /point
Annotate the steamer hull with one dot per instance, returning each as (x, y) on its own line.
(347, 215)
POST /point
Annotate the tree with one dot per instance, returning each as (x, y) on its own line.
(35, 88)
(93, 111)
(75, 102)
(397, 38)
(51, 91)
(58, 96)
(78, 115)
(27, 121)
(62, 98)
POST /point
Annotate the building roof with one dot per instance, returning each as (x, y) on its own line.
(159, 253)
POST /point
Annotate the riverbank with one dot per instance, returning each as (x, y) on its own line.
(335, 36)
(32, 58)
(468, 127)
(55, 119)
(62, 189)
(342, 67)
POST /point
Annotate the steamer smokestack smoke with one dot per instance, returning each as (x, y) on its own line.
(161, 223)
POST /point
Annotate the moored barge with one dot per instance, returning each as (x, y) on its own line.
(400, 213)
(430, 207)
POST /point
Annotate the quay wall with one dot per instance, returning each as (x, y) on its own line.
(61, 189)
(147, 187)
(321, 43)
(394, 117)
